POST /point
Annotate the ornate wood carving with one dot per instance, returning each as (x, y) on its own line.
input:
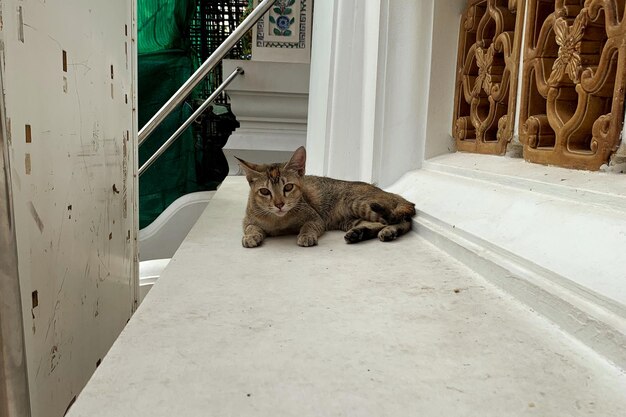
(572, 104)
(487, 72)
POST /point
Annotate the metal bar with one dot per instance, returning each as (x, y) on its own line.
(204, 69)
(190, 120)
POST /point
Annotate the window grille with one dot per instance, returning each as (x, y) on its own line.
(572, 104)
(487, 72)
(573, 76)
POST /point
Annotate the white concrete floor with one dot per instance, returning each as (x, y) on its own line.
(374, 329)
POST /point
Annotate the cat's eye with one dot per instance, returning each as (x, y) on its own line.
(265, 191)
(288, 187)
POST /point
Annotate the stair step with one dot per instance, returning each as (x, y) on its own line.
(372, 329)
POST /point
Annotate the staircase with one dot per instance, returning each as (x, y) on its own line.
(373, 329)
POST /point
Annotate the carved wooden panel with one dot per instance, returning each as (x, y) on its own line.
(572, 104)
(487, 72)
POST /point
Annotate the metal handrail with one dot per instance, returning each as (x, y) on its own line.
(204, 69)
(190, 120)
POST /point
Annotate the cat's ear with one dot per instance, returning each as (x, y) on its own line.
(297, 161)
(253, 171)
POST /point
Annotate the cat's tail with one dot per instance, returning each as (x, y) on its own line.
(373, 212)
(402, 212)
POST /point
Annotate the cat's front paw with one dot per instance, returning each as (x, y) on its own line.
(252, 241)
(307, 240)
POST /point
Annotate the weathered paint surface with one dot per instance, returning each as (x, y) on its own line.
(69, 94)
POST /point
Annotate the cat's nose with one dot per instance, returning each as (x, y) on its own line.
(279, 205)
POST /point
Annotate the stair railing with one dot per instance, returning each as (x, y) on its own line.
(190, 120)
(195, 79)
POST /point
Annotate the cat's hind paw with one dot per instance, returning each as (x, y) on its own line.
(306, 240)
(252, 241)
(388, 234)
(354, 235)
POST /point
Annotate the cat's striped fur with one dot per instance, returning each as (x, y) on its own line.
(283, 201)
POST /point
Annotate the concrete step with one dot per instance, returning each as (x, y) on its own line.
(551, 237)
(373, 329)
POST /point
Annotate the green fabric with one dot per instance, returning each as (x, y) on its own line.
(174, 173)
(195, 161)
(164, 64)
(163, 24)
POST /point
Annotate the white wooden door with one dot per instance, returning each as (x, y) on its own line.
(68, 77)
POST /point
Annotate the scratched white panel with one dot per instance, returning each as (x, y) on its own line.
(67, 72)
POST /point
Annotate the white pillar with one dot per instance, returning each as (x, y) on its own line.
(370, 69)
(445, 39)
(321, 85)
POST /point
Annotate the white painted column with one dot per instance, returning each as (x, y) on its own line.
(342, 90)
(321, 85)
(445, 39)
(404, 88)
(369, 77)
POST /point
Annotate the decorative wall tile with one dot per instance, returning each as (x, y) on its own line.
(285, 27)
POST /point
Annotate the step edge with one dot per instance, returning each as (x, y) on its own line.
(588, 317)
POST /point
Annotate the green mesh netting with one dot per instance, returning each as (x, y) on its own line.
(164, 64)
(174, 173)
(163, 24)
(173, 36)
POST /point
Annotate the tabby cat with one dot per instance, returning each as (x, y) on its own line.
(284, 201)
